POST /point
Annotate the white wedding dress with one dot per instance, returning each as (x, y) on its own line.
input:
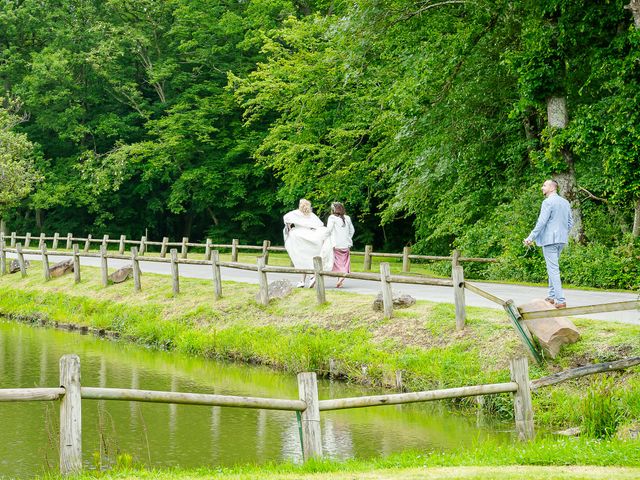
(307, 238)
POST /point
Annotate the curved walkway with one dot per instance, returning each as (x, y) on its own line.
(518, 293)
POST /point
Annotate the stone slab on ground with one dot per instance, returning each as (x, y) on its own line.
(551, 333)
(121, 274)
(14, 266)
(399, 301)
(61, 268)
(278, 289)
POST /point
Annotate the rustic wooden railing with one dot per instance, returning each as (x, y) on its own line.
(234, 246)
(212, 259)
(384, 277)
(308, 406)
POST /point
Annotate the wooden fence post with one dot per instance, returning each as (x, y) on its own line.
(455, 259)
(56, 240)
(522, 407)
(457, 276)
(23, 267)
(76, 263)
(263, 282)
(387, 294)
(105, 241)
(136, 269)
(143, 245)
(27, 240)
(13, 240)
(121, 245)
(69, 241)
(183, 252)
(310, 417)
(406, 261)
(215, 273)
(87, 243)
(70, 416)
(367, 257)
(42, 240)
(45, 263)
(175, 273)
(265, 250)
(234, 250)
(319, 279)
(3, 257)
(104, 268)
(207, 249)
(163, 248)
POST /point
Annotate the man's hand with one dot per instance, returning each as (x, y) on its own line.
(527, 242)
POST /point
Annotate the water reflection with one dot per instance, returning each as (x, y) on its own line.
(186, 435)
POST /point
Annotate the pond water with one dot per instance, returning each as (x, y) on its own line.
(162, 435)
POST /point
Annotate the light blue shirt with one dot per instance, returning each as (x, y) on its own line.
(554, 222)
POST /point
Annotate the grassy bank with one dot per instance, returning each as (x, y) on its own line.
(580, 459)
(295, 334)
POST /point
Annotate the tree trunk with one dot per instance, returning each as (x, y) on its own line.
(188, 223)
(3, 226)
(39, 218)
(635, 232)
(634, 6)
(558, 117)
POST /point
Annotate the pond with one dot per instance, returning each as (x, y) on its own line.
(162, 435)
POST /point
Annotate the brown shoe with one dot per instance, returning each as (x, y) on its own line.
(561, 305)
(550, 300)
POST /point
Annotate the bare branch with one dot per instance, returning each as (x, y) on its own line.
(431, 5)
(592, 196)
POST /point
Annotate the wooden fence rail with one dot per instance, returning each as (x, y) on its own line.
(71, 393)
(384, 277)
(234, 246)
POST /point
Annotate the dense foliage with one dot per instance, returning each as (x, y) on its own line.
(427, 118)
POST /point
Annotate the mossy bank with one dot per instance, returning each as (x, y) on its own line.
(295, 334)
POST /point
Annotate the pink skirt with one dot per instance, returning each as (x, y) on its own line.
(341, 260)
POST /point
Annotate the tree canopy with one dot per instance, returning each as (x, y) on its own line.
(428, 119)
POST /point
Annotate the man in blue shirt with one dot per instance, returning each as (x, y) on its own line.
(552, 234)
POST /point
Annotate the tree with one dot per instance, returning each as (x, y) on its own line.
(18, 174)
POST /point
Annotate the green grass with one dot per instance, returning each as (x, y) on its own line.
(485, 461)
(294, 334)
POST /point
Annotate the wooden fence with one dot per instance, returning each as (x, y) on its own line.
(143, 245)
(384, 277)
(308, 406)
(212, 259)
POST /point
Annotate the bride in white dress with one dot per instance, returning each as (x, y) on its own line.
(305, 237)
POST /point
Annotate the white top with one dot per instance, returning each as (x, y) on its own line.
(341, 232)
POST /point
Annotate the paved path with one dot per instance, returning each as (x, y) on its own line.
(518, 293)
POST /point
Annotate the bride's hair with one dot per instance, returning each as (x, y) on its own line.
(304, 206)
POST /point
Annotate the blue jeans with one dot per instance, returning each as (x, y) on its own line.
(552, 259)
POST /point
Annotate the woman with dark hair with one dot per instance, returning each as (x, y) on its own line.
(341, 230)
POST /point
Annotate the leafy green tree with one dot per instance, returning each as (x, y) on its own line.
(18, 173)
